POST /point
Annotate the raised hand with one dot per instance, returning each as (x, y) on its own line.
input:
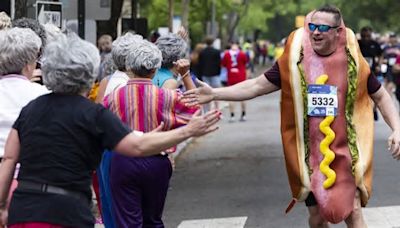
(202, 95)
(182, 67)
(201, 125)
(183, 33)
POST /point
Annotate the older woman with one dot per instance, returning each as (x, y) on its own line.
(120, 49)
(40, 31)
(19, 49)
(139, 185)
(173, 47)
(69, 133)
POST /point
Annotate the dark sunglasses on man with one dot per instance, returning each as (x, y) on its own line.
(321, 28)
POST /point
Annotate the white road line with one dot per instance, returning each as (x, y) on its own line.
(233, 222)
(382, 217)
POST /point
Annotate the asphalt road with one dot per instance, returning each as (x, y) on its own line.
(239, 171)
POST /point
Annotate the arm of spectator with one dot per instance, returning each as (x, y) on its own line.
(7, 168)
(102, 90)
(153, 142)
(170, 84)
(183, 66)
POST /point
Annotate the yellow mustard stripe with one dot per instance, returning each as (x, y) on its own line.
(329, 155)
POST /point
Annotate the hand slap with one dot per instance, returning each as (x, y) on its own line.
(201, 125)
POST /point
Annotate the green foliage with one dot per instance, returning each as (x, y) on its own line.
(273, 18)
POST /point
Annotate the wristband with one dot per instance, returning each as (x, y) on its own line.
(186, 74)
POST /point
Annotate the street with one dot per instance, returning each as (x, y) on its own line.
(236, 177)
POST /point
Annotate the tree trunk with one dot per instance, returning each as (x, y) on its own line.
(110, 26)
(171, 14)
(20, 9)
(185, 14)
(233, 20)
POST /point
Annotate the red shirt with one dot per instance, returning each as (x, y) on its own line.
(235, 63)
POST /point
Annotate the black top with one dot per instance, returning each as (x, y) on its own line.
(370, 49)
(62, 138)
(209, 62)
(273, 75)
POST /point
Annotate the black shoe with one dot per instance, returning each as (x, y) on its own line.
(376, 115)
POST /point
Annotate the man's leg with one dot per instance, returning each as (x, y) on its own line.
(232, 111)
(314, 220)
(356, 219)
(243, 115)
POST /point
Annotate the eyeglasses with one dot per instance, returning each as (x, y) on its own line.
(321, 28)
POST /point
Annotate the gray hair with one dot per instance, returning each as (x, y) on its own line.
(121, 48)
(172, 47)
(5, 21)
(69, 65)
(108, 67)
(143, 59)
(34, 25)
(52, 32)
(18, 47)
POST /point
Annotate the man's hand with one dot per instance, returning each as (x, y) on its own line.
(202, 95)
(394, 144)
(201, 125)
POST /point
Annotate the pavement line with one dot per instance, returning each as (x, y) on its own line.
(232, 222)
(382, 217)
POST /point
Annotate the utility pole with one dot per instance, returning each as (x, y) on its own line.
(81, 18)
(171, 14)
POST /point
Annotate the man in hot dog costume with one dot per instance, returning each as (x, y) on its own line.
(326, 117)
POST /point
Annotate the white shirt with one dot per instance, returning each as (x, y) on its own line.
(117, 80)
(16, 91)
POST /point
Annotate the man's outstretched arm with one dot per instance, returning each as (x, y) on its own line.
(242, 91)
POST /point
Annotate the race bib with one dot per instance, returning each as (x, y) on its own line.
(322, 100)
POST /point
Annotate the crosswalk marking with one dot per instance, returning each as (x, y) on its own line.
(233, 222)
(382, 217)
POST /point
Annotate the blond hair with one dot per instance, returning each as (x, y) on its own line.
(5, 21)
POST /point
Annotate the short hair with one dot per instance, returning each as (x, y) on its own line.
(366, 29)
(121, 48)
(172, 47)
(144, 59)
(332, 10)
(18, 47)
(209, 40)
(5, 21)
(35, 26)
(70, 64)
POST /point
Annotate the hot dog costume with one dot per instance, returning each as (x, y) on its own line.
(352, 141)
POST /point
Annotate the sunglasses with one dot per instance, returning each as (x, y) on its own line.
(321, 28)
